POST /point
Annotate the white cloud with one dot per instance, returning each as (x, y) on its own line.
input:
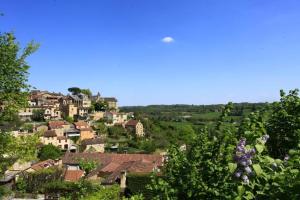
(167, 40)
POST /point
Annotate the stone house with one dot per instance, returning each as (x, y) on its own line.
(112, 168)
(93, 145)
(111, 102)
(61, 141)
(86, 133)
(115, 117)
(135, 126)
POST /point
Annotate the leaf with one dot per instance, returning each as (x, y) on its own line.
(257, 169)
(294, 171)
(259, 148)
(241, 190)
(232, 167)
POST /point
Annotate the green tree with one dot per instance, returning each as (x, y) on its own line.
(86, 92)
(116, 131)
(221, 165)
(14, 89)
(74, 90)
(101, 128)
(69, 119)
(284, 124)
(87, 165)
(49, 152)
(14, 85)
(38, 115)
(100, 106)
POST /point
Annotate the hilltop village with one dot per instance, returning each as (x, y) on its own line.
(86, 129)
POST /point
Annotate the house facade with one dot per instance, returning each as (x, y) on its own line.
(135, 126)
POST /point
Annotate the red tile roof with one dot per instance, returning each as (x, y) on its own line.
(50, 133)
(81, 123)
(73, 175)
(56, 124)
(86, 129)
(43, 164)
(132, 122)
(62, 137)
(113, 163)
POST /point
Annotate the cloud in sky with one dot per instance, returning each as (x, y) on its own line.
(167, 40)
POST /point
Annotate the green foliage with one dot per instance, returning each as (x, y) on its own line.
(86, 92)
(137, 184)
(69, 119)
(207, 169)
(87, 165)
(14, 89)
(77, 90)
(100, 106)
(12, 149)
(35, 182)
(14, 75)
(77, 190)
(74, 90)
(38, 115)
(116, 131)
(101, 128)
(4, 191)
(105, 193)
(49, 152)
(284, 124)
(27, 127)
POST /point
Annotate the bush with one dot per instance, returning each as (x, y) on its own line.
(137, 184)
(49, 152)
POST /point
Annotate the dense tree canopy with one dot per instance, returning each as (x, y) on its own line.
(232, 162)
(49, 152)
(13, 96)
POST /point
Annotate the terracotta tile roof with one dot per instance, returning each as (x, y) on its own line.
(86, 129)
(56, 124)
(81, 123)
(43, 164)
(92, 141)
(130, 167)
(50, 133)
(62, 137)
(112, 99)
(110, 162)
(132, 122)
(73, 175)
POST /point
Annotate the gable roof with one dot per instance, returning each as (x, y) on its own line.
(92, 141)
(111, 99)
(132, 122)
(81, 123)
(86, 129)
(50, 133)
(56, 124)
(104, 159)
(43, 164)
(73, 175)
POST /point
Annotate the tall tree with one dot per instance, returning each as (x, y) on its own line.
(74, 90)
(14, 90)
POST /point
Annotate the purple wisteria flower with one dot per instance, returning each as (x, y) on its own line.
(286, 158)
(245, 179)
(238, 174)
(265, 138)
(243, 158)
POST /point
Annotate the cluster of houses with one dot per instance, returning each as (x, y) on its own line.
(80, 141)
(56, 106)
(110, 168)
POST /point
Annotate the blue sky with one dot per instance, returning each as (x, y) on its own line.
(233, 50)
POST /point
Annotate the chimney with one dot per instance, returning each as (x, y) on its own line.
(123, 179)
